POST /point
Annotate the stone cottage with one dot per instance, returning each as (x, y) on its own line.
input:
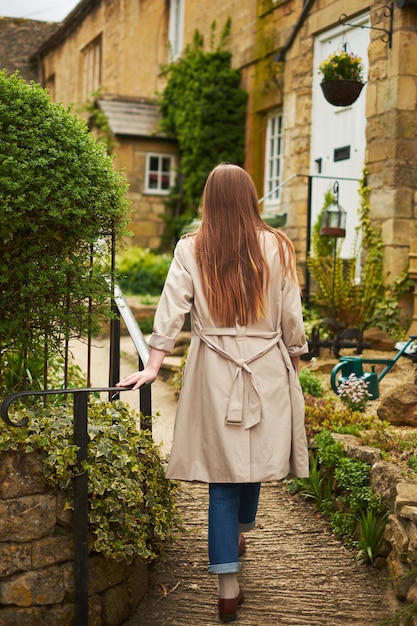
(297, 143)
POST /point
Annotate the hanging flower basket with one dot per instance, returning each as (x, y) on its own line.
(341, 93)
(342, 78)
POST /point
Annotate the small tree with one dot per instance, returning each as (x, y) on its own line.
(204, 107)
(61, 202)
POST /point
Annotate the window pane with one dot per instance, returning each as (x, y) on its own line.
(153, 181)
(154, 164)
(176, 26)
(277, 169)
(91, 67)
(273, 165)
(158, 173)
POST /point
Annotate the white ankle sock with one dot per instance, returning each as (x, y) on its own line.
(228, 585)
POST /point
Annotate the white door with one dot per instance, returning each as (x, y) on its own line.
(338, 133)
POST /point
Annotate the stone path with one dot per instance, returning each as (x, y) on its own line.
(294, 573)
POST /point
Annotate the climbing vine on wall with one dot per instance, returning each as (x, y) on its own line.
(204, 108)
(371, 302)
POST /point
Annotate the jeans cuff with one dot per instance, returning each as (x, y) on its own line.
(224, 568)
(243, 528)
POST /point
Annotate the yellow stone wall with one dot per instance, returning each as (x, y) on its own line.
(146, 225)
(134, 45)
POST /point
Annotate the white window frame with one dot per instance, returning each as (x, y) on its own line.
(158, 190)
(176, 28)
(273, 159)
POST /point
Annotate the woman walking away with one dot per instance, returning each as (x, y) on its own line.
(240, 415)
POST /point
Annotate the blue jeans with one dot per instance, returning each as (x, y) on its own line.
(232, 509)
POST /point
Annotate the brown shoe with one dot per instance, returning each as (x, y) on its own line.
(228, 607)
(242, 544)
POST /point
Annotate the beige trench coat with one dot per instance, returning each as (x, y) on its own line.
(240, 415)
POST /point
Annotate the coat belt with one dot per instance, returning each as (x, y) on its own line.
(234, 414)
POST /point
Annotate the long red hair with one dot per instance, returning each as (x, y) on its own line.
(233, 268)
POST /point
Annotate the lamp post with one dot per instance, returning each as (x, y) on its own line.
(333, 224)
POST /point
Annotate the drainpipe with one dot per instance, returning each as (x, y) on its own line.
(304, 13)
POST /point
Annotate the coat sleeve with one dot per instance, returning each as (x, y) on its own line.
(292, 324)
(175, 302)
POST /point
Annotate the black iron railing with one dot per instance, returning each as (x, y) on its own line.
(80, 422)
(120, 309)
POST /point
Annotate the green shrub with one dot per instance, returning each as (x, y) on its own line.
(324, 413)
(132, 504)
(59, 197)
(30, 368)
(146, 325)
(142, 271)
(311, 383)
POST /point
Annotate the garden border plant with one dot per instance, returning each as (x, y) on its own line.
(141, 271)
(340, 488)
(338, 484)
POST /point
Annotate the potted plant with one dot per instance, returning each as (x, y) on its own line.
(342, 78)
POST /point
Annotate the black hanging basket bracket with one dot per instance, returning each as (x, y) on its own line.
(388, 12)
(81, 506)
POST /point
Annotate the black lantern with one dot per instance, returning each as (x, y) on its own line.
(333, 219)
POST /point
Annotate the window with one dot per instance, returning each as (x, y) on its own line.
(91, 68)
(159, 173)
(176, 28)
(273, 159)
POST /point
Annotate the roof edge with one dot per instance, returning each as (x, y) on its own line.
(70, 23)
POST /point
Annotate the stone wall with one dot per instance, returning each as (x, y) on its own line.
(37, 580)
(400, 495)
(146, 225)
(391, 138)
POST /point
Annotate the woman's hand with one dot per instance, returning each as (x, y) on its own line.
(137, 379)
(296, 364)
(148, 374)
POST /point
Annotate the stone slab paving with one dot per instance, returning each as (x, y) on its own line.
(294, 573)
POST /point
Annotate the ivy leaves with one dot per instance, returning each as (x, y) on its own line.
(132, 504)
(204, 108)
